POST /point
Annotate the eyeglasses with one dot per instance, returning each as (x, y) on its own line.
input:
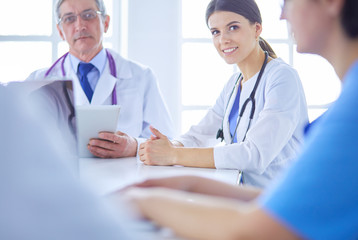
(86, 15)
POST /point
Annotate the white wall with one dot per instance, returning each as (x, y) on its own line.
(153, 39)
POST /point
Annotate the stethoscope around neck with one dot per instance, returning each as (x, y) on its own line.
(250, 99)
(112, 69)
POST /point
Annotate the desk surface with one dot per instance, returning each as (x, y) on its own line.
(106, 175)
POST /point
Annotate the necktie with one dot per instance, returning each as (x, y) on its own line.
(234, 115)
(84, 69)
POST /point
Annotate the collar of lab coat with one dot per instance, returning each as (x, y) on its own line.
(230, 103)
(103, 92)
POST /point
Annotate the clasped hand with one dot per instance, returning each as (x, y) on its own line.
(158, 150)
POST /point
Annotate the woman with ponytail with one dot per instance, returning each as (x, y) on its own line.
(317, 197)
(260, 113)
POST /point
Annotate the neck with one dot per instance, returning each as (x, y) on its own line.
(344, 58)
(252, 63)
(86, 56)
(341, 52)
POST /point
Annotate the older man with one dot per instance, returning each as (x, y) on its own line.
(101, 77)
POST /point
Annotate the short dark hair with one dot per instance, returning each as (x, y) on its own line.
(349, 18)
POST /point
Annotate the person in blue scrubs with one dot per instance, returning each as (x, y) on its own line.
(317, 197)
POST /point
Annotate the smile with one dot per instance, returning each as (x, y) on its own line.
(229, 50)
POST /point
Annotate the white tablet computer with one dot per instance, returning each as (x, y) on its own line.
(92, 119)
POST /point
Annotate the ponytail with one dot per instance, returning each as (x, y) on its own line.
(266, 47)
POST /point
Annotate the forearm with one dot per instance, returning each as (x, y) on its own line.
(194, 157)
(196, 216)
(206, 186)
(221, 189)
(202, 217)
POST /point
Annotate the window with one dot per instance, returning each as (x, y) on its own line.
(30, 41)
(204, 73)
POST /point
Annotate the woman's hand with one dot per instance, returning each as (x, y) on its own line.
(158, 150)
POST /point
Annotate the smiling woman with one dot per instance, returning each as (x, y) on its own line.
(196, 48)
(260, 113)
(244, 8)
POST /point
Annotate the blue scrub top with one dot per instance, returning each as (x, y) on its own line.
(318, 196)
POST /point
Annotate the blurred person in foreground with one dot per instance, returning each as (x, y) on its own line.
(41, 198)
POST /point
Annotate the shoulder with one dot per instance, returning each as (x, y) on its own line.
(277, 67)
(126, 65)
(278, 72)
(51, 73)
(37, 75)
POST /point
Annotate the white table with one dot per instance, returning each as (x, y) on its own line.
(106, 175)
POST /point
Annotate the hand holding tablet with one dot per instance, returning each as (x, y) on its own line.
(92, 119)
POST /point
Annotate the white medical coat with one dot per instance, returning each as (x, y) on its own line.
(137, 92)
(276, 131)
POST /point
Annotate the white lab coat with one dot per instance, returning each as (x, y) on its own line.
(138, 95)
(276, 131)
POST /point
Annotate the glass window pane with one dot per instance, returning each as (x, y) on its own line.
(193, 19)
(62, 48)
(19, 59)
(272, 26)
(204, 74)
(190, 118)
(24, 17)
(315, 113)
(282, 51)
(319, 79)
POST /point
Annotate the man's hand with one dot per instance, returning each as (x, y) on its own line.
(113, 145)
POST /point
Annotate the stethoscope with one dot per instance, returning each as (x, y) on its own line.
(112, 69)
(251, 98)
